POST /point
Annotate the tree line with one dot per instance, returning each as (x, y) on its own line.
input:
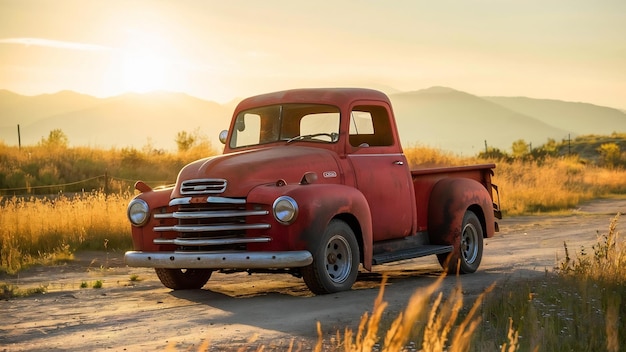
(604, 151)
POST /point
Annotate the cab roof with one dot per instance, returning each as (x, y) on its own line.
(340, 97)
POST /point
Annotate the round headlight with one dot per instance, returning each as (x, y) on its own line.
(138, 212)
(285, 210)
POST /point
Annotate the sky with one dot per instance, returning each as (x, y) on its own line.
(572, 50)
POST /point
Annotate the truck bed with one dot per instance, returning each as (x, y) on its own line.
(425, 179)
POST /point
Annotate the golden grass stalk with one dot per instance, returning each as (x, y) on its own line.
(367, 333)
(441, 319)
(512, 338)
(398, 335)
(612, 318)
(462, 336)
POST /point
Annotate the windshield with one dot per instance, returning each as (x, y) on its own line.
(288, 122)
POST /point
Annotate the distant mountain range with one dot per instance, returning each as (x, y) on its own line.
(438, 117)
(129, 120)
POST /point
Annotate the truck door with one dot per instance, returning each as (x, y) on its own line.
(381, 171)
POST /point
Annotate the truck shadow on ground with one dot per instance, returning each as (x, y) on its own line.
(291, 309)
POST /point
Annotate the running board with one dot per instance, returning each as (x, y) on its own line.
(410, 253)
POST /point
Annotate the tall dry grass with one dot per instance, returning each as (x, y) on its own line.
(40, 230)
(554, 184)
(532, 187)
(33, 228)
(607, 263)
(578, 307)
(536, 186)
(37, 169)
(429, 323)
(433, 321)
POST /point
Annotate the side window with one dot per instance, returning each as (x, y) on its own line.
(361, 123)
(369, 126)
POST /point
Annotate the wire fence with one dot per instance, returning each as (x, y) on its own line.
(103, 183)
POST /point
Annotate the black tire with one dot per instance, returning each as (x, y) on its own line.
(335, 262)
(183, 279)
(468, 249)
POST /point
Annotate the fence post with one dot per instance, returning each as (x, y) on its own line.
(106, 183)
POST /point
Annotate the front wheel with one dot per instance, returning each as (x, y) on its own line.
(468, 251)
(335, 261)
(183, 279)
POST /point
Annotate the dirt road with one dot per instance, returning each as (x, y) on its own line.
(129, 315)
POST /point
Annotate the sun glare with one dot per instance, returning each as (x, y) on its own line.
(145, 64)
(144, 72)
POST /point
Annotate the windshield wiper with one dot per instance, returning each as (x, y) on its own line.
(333, 137)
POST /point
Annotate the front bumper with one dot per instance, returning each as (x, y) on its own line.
(218, 260)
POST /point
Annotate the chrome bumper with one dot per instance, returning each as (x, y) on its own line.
(219, 260)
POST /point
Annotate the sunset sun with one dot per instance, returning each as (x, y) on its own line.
(145, 63)
(144, 72)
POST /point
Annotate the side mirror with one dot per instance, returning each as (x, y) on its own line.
(223, 136)
(240, 123)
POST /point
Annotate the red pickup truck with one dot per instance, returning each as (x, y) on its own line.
(312, 182)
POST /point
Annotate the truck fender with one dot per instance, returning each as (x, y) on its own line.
(319, 204)
(142, 236)
(449, 200)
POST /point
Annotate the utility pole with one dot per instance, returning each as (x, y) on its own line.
(19, 138)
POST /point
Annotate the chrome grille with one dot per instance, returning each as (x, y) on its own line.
(218, 224)
(202, 186)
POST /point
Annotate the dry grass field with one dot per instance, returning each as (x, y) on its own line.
(579, 306)
(44, 229)
(549, 184)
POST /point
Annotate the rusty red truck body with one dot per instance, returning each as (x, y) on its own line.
(312, 182)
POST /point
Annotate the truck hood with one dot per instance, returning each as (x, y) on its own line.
(248, 169)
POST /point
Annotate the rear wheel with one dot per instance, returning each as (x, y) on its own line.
(468, 250)
(335, 262)
(183, 279)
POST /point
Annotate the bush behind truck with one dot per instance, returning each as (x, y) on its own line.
(312, 182)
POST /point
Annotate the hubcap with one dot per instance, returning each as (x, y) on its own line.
(338, 259)
(469, 243)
